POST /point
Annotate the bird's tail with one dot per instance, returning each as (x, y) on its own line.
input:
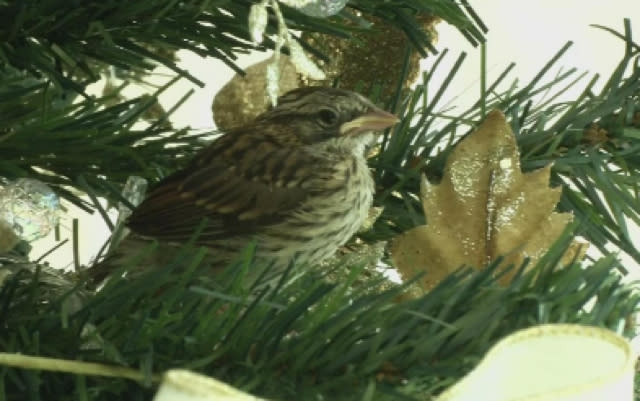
(135, 255)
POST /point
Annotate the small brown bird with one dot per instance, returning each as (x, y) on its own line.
(295, 180)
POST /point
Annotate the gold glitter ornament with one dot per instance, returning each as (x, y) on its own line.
(369, 56)
(483, 208)
(243, 98)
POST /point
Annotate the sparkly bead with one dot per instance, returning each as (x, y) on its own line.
(30, 207)
(317, 8)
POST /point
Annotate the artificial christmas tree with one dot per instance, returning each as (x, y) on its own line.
(340, 330)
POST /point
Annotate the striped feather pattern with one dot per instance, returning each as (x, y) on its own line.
(290, 181)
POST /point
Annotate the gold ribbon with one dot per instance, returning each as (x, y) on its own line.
(557, 362)
(184, 385)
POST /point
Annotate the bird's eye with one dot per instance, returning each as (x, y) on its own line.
(327, 117)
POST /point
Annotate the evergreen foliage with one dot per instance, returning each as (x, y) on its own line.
(51, 50)
(305, 335)
(297, 339)
(597, 174)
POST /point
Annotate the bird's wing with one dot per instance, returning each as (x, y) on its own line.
(238, 184)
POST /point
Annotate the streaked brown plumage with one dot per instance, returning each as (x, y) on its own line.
(295, 180)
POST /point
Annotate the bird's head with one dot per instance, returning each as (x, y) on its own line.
(330, 116)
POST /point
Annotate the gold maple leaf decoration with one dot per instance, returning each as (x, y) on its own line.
(483, 208)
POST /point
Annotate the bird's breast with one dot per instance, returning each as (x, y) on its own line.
(327, 219)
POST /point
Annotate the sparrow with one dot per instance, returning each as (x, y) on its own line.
(295, 181)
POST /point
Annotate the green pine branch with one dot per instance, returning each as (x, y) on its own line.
(598, 174)
(51, 50)
(299, 339)
(312, 336)
(44, 135)
(69, 43)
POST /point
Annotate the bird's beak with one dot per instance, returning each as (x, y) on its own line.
(374, 120)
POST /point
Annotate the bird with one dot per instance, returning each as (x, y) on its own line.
(295, 180)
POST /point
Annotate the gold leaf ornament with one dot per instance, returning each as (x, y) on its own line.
(483, 208)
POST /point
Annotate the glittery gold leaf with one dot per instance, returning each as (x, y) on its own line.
(483, 208)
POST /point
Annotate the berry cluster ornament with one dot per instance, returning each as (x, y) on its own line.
(371, 56)
(258, 19)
